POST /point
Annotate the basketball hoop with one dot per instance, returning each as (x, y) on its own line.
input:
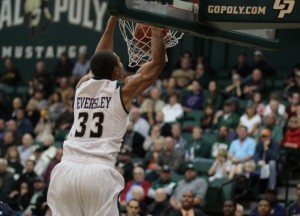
(138, 40)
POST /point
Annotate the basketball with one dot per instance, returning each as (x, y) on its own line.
(143, 36)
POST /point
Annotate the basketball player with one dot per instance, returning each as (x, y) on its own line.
(86, 182)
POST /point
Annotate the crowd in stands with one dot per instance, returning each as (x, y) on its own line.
(193, 129)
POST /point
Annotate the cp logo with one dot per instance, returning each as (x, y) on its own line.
(284, 7)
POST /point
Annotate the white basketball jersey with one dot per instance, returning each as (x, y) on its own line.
(100, 121)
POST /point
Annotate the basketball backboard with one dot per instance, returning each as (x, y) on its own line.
(184, 16)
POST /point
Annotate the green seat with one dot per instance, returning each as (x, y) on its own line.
(58, 144)
(136, 160)
(210, 138)
(187, 135)
(61, 135)
(224, 82)
(189, 124)
(195, 115)
(203, 166)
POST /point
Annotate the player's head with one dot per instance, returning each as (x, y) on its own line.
(106, 64)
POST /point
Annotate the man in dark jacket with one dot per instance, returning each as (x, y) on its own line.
(161, 206)
(266, 154)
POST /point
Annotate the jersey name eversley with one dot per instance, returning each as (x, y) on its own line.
(93, 103)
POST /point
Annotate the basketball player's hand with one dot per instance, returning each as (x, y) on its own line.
(84, 78)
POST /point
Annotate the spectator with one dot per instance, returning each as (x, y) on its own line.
(222, 141)
(32, 113)
(134, 140)
(2, 129)
(251, 120)
(192, 183)
(155, 99)
(137, 193)
(124, 164)
(7, 142)
(187, 205)
(14, 165)
(207, 121)
(274, 105)
(229, 208)
(6, 210)
(140, 125)
(44, 126)
(235, 88)
(257, 102)
(53, 163)
(81, 67)
(294, 209)
(17, 103)
(294, 86)
(206, 64)
(26, 149)
(24, 124)
(264, 208)
(39, 100)
(6, 179)
(66, 118)
(239, 210)
(151, 159)
(219, 168)
(276, 208)
(161, 206)
(55, 106)
(28, 175)
(201, 75)
(170, 87)
(20, 199)
(241, 150)
(65, 90)
(138, 179)
(11, 75)
(179, 142)
(165, 128)
(197, 148)
(266, 155)
(294, 104)
(241, 68)
(263, 65)
(256, 83)
(170, 156)
(173, 109)
(213, 96)
(11, 126)
(64, 66)
(184, 74)
(154, 135)
(132, 208)
(227, 117)
(164, 182)
(195, 99)
(292, 135)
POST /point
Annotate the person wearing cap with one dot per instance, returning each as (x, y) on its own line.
(124, 164)
(255, 84)
(241, 150)
(276, 208)
(266, 154)
(164, 182)
(262, 64)
(198, 186)
(242, 68)
(294, 209)
(160, 206)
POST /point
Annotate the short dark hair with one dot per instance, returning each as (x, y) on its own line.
(103, 63)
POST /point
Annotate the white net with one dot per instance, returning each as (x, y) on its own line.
(139, 49)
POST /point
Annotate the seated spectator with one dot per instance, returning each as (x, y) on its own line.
(227, 117)
(28, 175)
(276, 208)
(184, 74)
(132, 208)
(140, 124)
(17, 103)
(44, 127)
(151, 159)
(134, 140)
(294, 209)
(14, 164)
(6, 179)
(24, 124)
(7, 142)
(32, 113)
(154, 135)
(164, 182)
(44, 155)
(64, 66)
(222, 141)
(292, 135)
(26, 149)
(124, 164)
(65, 89)
(11, 75)
(241, 150)
(170, 156)
(264, 207)
(294, 86)
(256, 83)
(179, 142)
(242, 68)
(266, 155)
(20, 199)
(197, 148)
(219, 168)
(294, 104)
(270, 123)
(81, 67)
(52, 164)
(251, 120)
(229, 208)
(207, 121)
(55, 106)
(155, 99)
(201, 75)
(239, 210)
(192, 183)
(213, 96)
(172, 110)
(161, 206)
(274, 106)
(195, 99)
(260, 62)
(257, 102)
(39, 100)
(170, 87)
(66, 118)
(138, 179)
(137, 193)
(165, 128)
(2, 129)
(235, 88)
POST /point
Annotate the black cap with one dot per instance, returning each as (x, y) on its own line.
(39, 178)
(190, 166)
(165, 168)
(230, 101)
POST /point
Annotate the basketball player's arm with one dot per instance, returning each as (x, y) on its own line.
(148, 72)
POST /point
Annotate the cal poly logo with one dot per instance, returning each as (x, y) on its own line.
(284, 7)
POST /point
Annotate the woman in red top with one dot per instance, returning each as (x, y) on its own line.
(292, 135)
